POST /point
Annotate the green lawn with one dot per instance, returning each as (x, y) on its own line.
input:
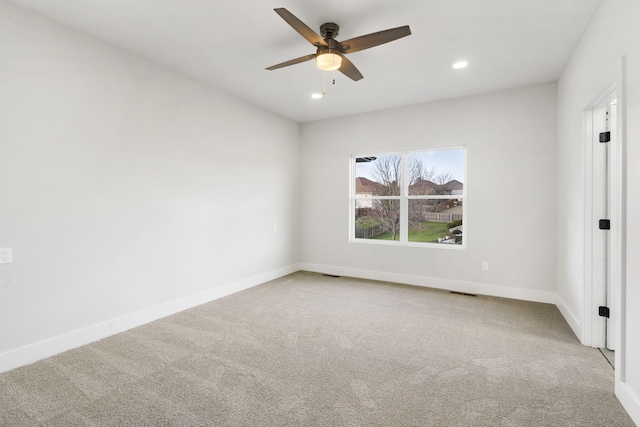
(366, 222)
(429, 232)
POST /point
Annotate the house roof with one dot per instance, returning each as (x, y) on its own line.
(366, 186)
(422, 187)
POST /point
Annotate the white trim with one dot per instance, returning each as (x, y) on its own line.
(593, 331)
(586, 337)
(629, 400)
(621, 298)
(595, 240)
(437, 283)
(618, 228)
(569, 316)
(423, 245)
(55, 345)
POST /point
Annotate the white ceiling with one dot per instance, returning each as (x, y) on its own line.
(228, 44)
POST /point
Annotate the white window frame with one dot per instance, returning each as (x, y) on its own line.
(404, 200)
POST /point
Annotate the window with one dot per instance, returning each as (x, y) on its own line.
(414, 198)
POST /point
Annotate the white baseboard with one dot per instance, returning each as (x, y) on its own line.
(630, 401)
(55, 345)
(434, 282)
(571, 319)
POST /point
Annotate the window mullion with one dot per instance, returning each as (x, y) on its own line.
(404, 205)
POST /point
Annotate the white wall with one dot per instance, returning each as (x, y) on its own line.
(511, 184)
(127, 191)
(596, 63)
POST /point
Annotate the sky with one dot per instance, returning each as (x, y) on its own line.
(442, 160)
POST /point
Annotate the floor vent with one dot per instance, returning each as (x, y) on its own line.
(331, 275)
(464, 293)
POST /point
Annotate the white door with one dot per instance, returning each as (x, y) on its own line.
(610, 283)
(604, 120)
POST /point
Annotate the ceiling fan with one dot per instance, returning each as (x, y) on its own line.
(330, 53)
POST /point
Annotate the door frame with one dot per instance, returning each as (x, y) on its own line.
(595, 291)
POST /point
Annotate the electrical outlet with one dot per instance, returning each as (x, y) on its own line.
(5, 255)
(485, 266)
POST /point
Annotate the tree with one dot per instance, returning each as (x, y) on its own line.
(422, 180)
(387, 171)
(420, 184)
(443, 180)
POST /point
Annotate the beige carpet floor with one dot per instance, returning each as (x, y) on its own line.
(312, 350)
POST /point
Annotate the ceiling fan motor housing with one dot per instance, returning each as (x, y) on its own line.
(329, 30)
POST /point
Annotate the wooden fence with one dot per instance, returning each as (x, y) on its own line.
(376, 230)
(369, 232)
(442, 217)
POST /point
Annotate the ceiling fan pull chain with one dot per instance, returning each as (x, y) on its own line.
(324, 84)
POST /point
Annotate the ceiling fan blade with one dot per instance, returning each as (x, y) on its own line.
(348, 69)
(293, 61)
(374, 39)
(302, 28)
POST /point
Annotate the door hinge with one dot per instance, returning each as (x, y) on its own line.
(605, 136)
(603, 311)
(604, 224)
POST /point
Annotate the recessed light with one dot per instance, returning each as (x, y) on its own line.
(459, 65)
(316, 95)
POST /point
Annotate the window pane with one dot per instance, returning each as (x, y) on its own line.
(379, 220)
(378, 176)
(435, 221)
(436, 173)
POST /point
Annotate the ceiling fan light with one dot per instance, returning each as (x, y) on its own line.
(328, 61)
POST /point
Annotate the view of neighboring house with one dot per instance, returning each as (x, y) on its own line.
(375, 217)
(366, 188)
(425, 187)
